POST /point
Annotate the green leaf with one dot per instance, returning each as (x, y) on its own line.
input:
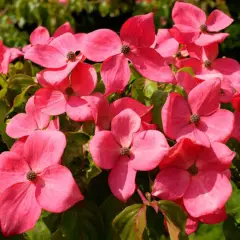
(20, 98)
(208, 232)
(158, 99)
(168, 87)
(58, 235)
(187, 70)
(3, 112)
(137, 89)
(227, 230)
(75, 141)
(233, 204)
(83, 221)
(116, 207)
(149, 88)
(131, 222)
(20, 82)
(3, 87)
(155, 229)
(28, 68)
(52, 221)
(39, 232)
(91, 172)
(15, 237)
(176, 219)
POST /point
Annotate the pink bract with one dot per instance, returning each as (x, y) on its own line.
(204, 62)
(166, 45)
(134, 44)
(35, 181)
(196, 27)
(187, 173)
(125, 151)
(23, 124)
(40, 35)
(103, 112)
(198, 118)
(67, 96)
(60, 56)
(7, 55)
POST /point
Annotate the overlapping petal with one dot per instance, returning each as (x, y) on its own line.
(104, 150)
(208, 187)
(115, 73)
(43, 149)
(171, 183)
(138, 31)
(148, 149)
(151, 65)
(175, 115)
(121, 180)
(101, 44)
(19, 210)
(124, 125)
(56, 190)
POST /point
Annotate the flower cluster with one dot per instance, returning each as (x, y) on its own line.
(194, 172)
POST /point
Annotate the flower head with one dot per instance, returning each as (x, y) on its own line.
(33, 181)
(187, 173)
(126, 150)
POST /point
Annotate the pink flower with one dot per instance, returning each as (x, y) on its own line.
(236, 102)
(60, 56)
(103, 112)
(189, 82)
(198, 118)
(206, 65)
(63, 1)
(236, 129)
(213, 218)
(187, 172)
(134, 44)
(41, 35)
(125, 151)
(196, 27)
(35, 181)
(67, 97)
(186, 81)
(7, 55)
(23, 124)
(166, 45)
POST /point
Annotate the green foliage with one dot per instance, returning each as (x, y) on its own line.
(176, 219)
(83, 221)
(39, 232)
(101, 215)
(131, 222)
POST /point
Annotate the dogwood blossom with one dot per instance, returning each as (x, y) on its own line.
(126, 150)
(35, 181)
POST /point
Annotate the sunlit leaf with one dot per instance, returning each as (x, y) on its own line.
(175, 217)
(131, 222)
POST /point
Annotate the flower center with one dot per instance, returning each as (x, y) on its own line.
(207, 64)
(69, 91)
(71, 56)
(31, 175)
(203, 28)
(125, 49)
(178, 55)
(193, 170)
(124, 151)
(222, 93)
(195, 118)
